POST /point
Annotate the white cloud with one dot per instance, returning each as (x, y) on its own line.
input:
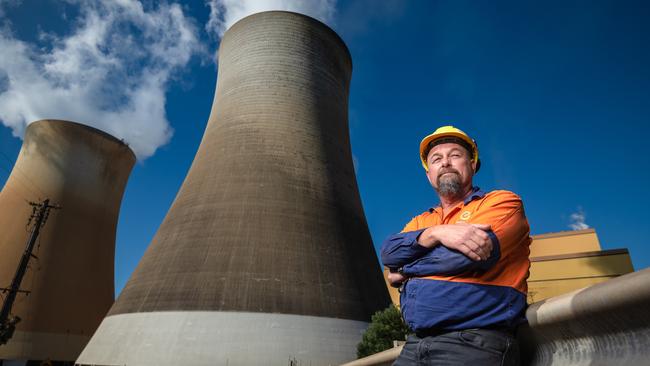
(225, 13)
(110, 71)
(578, 220)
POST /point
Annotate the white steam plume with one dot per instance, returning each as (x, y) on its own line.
(109, 71)
(578, 220)
(225, 13)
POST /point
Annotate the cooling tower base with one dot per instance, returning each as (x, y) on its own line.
(43, 346)
(222, 338)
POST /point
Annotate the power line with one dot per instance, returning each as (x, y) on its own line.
(8, 322)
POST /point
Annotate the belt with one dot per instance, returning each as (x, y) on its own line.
(434, 332)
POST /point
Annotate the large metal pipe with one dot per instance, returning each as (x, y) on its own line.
(84, 171)
(601, 325)
(383, 358)
(605, 324)
(265, 254)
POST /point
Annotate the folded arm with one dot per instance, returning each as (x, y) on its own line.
(440, 250)
(402, 248)
(447, 262)
(462, 247)
(471, 240)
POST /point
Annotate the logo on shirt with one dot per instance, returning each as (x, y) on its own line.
(465, 215)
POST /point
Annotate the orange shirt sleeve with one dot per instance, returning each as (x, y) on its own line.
(412, 225)
(504, 212)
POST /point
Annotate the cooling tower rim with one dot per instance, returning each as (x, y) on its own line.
(329, 29)
(85, 127)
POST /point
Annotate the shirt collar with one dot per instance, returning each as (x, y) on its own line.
(476, 193)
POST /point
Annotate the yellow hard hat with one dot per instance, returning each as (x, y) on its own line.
(448, 131)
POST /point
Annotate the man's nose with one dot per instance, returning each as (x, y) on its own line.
(445, 161)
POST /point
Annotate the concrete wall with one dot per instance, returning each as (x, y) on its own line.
(85, 171)
(202, 338)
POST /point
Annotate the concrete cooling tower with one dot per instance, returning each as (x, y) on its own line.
(70, 279)
(264, 257)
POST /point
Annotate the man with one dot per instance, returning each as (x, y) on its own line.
(462, 266)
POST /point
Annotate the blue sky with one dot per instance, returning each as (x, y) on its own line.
(557, 94)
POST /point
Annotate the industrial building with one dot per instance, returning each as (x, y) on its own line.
(566, 261)
(68, 286)
(569, 260)
(264, 255)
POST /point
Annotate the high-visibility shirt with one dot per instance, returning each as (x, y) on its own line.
(449, 291)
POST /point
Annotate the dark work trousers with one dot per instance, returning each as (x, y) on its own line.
(472, 347)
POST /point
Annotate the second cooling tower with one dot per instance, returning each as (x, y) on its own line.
(265, 257)
(68, 287)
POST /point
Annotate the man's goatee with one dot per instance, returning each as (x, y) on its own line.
(449, 185)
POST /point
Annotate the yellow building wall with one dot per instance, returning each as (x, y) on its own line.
(565, 242)
(557, 275)
(538, 291)
(392, 291)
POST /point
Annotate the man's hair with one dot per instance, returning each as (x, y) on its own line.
(453, 140)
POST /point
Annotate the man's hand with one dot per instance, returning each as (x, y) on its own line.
(469, 239)
(396, 279)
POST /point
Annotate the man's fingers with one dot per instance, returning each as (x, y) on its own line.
(469, 239)
(474, 244)
(483, 227)
(480, 244)
(481, 240)
(395, 278)
(470, 253)
(482, 234)
(471, 249)
(482, 252)
(486, 244)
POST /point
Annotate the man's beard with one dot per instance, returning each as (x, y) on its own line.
(449, 185)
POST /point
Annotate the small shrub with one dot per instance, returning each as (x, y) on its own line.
(386, 326)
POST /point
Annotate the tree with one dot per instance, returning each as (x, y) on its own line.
(386, 326)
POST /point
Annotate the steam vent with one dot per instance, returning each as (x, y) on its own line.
(265, 255)
(70, 279)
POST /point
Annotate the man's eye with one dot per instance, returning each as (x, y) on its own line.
(435, 160)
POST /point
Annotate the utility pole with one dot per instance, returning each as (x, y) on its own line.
(40, 212)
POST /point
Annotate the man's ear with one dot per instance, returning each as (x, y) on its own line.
(476, 165)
